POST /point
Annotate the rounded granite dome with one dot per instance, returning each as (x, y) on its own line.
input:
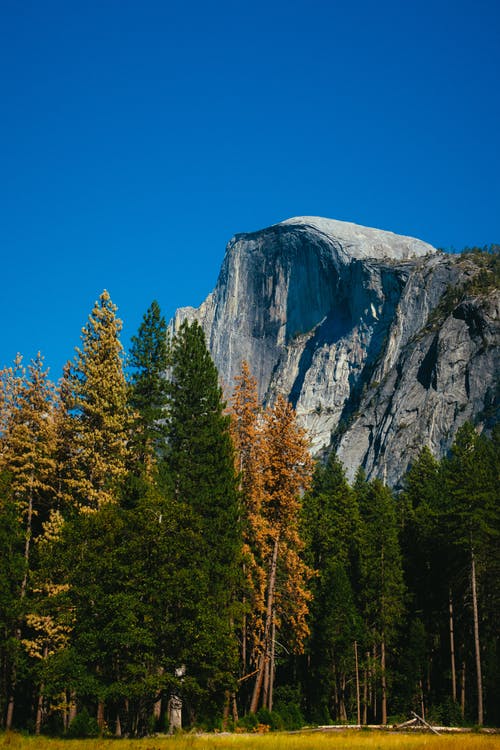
(363, 242)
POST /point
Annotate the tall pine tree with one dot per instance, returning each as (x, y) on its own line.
(382, 577)
(204, 486)
(286, 473)
(148, 394)
(97, 403)
(332, 529)
(470, 512)
(247, 437)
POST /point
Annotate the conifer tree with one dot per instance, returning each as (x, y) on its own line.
(11, 381)
(121, 568)
(28, 459)
(203, 482)
(49, 620)
(287, 469)
(247, 438)
(97, 403)
(148, 394)
(470, 513)
(427, 562)
(332, 530)
(381, 573)
(30, 450)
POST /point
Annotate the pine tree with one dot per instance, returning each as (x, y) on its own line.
(121, 569)
(97, 403)
(427, 562)
(203, 483)
(332, 529)
(247, 438)
(381, 573)
(11, 382)
(287, 469)
(28, 460)
(30, 450)
(470, 512)
(148, 394)
(49, 620)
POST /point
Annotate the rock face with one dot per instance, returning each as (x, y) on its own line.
(350, 323)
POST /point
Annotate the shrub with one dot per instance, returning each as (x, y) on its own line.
(287, 705)
(248, 722)
(271, 718)
(83, 725)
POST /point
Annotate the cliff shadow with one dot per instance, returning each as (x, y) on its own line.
(334, 327)
(392, 284)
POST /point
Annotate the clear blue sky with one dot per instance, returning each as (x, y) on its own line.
(136, 137)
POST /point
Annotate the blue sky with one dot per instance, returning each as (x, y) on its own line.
(137, 137)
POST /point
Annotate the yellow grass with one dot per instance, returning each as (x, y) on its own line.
(345, 740)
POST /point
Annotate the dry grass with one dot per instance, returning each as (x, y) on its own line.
(345, 740)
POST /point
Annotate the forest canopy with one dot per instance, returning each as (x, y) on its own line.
(161, 545)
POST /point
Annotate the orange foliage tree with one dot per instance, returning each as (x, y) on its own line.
(247, 438)
(275, 469)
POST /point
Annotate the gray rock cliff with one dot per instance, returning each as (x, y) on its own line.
(349, 323)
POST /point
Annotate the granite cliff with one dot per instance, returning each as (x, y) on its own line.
(381, 343)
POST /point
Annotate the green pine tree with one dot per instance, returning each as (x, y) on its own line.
(427, 562)
(332, 529)
(148, 394)
(471, 517)
(122, 572)
(381, 576)
(204, 486)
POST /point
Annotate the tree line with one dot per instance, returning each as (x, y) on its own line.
(157, 543)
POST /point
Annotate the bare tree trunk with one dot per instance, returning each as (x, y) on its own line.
(234, 705)
(158, 703)
(477, 647)
(462, 692)
(452, 652)
(10, 706)
(336, 700)
(100, 715)
(365, 691)
(358, 705)
(383, 681)
(225, 712)
(244, 643)
(65, 712)
(118, 725)
(72, 706)
(272, 664)
(422, 704)
(264, 657)
(39, 711)
(373, 683)
(342, 708)
(265, 687)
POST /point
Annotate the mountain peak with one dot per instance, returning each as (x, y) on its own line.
(346, 322)
(363, 242)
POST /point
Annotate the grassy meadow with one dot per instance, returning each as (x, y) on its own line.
(342, 740)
